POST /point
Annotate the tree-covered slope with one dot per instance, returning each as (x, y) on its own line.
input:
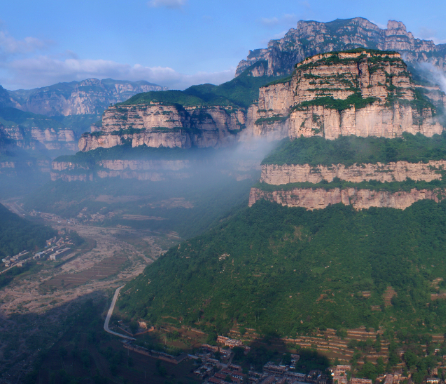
(17, 234)
(289, 270)
(241, 92)
(349, 150)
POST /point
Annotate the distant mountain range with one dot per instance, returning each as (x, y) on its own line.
(313, 37)
(87, 97)
(53, 118)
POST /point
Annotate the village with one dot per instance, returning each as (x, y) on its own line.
(55, 248)
(214, 365)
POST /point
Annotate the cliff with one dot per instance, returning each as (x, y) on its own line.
(40, 138)
(312, 37)
(394, 171)
(162, 125)
(320, 198)
(358, 92)
(87, 97)
(153, 170)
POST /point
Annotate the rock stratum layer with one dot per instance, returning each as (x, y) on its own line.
(170, 126)
(361, 93)
(153, 170)
(393, 172)
(38, 138)
(312, 37)
(319, 198)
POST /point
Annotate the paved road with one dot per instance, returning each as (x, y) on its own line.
(110, 313)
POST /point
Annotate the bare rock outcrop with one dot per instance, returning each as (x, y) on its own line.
(160, 125)
(320, 198)
(361, 93)
(32, 138)
(312, 37)
(392, 172)
(90, 96)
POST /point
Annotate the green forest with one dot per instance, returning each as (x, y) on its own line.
(349, 150)
(17, 234)
(240, 92)
(292, 271)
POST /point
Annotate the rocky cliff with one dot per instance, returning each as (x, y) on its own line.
(154, 170)
(312, 37)
(87, 97)
(166, 125)
(394, 171)
(40, 138)
(358, 92)
(319, 198)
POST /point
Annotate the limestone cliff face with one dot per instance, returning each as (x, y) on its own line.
(155, 170)
(13, 167)
(362, 93)
(319, 198)
(312, 37)
(156, 125)
(398, 171)
(91, 96)
(34, 138)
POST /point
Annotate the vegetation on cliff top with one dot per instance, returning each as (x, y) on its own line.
(291, 271)
(239, 92)
(349, 150)
(17, 234)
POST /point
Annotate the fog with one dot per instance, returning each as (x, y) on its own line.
(185, 191)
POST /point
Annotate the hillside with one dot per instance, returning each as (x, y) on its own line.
(288, 270)
(313, 37)
(17, 234)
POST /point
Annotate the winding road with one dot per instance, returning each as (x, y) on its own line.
(110, 313)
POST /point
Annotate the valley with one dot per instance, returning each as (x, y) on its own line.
(285, 226)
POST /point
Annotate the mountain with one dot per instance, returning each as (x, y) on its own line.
(362, 92)
(87, 97)
(201, 116)
(312, 37)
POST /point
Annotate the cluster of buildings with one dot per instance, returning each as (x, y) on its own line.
(55, 249)
(11, 260)
(341, 375)
(220, 370)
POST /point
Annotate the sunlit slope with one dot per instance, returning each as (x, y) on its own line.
(290, 270)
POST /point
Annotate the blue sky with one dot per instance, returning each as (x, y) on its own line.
(175, 43)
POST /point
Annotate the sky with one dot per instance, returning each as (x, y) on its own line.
(174, 43)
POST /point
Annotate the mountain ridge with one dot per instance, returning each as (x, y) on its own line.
(313, 37)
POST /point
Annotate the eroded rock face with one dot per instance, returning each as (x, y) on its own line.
(319, 198)
(32, 138)
(392, 172)
(90, 96)
(157, 125)
(153, 170)
(312, 37)
(348, 93)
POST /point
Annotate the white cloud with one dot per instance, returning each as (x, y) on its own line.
(284, 20)
(10, 46)
(167, 3)
(45, 70)
(430, 34)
